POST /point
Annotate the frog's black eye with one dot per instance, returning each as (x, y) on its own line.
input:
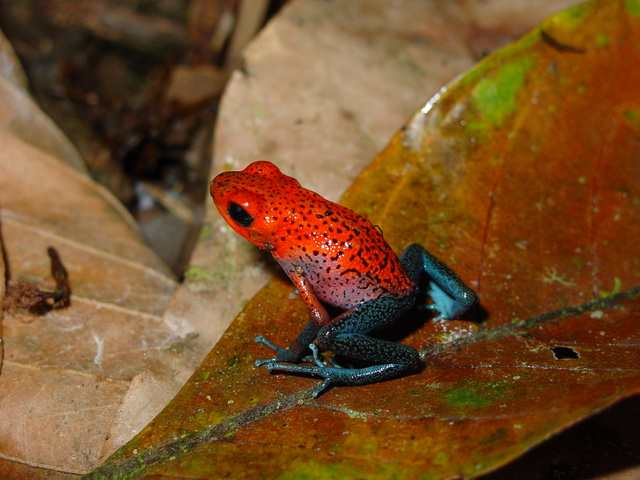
(239, 215)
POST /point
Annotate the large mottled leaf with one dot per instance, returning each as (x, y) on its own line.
(523, 175)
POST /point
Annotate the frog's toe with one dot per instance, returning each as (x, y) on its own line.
(317, 358)
(320, 389)
(264, 341)
(441, 315)
(264, 361)
(286, 367)
(279, 350)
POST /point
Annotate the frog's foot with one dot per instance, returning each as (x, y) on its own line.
(451, 297)
(447, 306)
(342, 376)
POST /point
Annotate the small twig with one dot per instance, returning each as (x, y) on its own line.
(23, 295)
(60, 275)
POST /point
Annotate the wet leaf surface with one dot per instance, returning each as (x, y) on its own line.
(523, 176)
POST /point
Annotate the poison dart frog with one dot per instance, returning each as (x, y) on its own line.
(334, 256)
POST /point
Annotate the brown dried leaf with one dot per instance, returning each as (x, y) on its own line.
(65, 373)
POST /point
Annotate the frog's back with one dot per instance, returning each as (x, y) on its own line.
(344, 256)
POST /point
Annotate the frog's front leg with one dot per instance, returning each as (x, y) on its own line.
(318, 316)
(347, 335)
(451, 297)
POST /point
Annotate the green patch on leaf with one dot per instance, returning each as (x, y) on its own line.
(197, 273)
(233, 361)
(467, 397)
(602, 40)
(475, 397)
(632, 115)
(495, 97)
(574, 17)
(441, 459)
(633, 7)
(617, 285)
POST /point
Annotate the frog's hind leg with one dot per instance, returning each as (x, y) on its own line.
(451, 296)
(347, 336)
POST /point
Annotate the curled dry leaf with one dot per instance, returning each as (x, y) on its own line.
(523, 175)
(66, 372)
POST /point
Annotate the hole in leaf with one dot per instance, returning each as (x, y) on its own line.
(564, 353)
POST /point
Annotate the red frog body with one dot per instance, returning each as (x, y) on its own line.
(335, 256)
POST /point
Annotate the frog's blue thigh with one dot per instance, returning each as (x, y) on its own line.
(348, 334)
